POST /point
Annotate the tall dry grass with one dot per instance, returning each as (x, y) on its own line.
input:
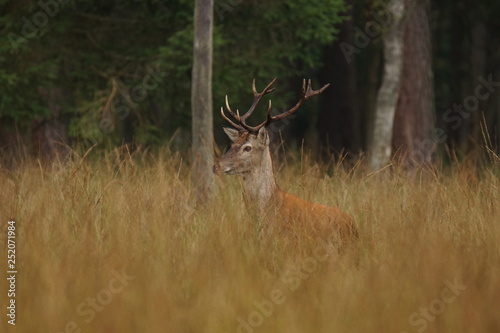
(427, 259)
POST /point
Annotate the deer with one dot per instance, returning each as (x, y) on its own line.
(249, 156)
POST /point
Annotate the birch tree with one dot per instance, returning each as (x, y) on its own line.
(387, 96)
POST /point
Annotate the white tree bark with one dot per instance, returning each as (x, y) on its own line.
(387, 96)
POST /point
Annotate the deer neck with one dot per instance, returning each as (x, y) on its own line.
(259, 186)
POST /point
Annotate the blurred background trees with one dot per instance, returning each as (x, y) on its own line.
(119, 72)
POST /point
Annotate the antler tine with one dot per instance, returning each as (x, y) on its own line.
(232, 123)
(254, 89)
(266, 89)
(256, 129)
(234, 115)
(268, 117)
(257, 97)
(307, 92)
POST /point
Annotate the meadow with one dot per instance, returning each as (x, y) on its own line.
(116, 244)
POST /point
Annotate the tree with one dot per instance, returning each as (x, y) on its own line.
(412, 142)
(126, 67)
(201, 100)
(387, 97)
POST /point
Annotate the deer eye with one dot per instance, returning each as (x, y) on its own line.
(247, 149)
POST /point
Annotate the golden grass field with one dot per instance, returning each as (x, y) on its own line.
(115, 244)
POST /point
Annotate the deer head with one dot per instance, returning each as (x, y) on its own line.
(246, 152)
(250, 144)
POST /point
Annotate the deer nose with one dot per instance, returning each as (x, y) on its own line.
(215, 169)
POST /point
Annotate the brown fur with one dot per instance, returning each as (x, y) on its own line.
(316, 218)
(275, 208)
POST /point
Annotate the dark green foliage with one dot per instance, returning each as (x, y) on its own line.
(130, 61)
(120, 70)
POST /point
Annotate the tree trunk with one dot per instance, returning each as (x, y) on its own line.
(388, 93)
(412, 136)
(201, 101)
(49, 135)
(493, 118)
(459, 88)
(478, 61)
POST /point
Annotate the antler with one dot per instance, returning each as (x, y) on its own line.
(242, 126)
(307, 92)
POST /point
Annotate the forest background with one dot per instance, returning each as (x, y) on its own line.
(119, 72)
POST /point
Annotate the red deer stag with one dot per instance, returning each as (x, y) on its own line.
(250, 157)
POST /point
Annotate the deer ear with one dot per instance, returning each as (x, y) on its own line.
(232, 133)
(263, 136)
